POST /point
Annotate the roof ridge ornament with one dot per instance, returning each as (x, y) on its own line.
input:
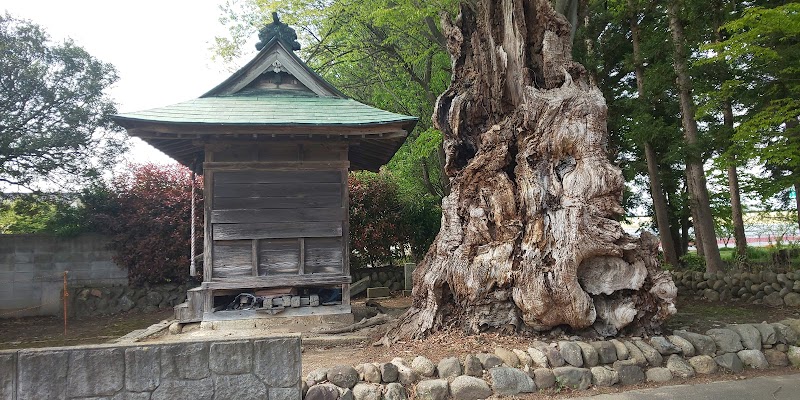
(279, 30)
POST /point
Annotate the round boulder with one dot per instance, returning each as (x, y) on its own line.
(703, 364)
(658, 374)
(395, 391)
(343, 376)
(469, 388)
(423, 366)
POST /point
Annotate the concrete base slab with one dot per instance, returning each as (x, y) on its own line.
(277, 323)
(378, 292)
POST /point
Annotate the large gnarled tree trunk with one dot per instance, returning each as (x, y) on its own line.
(529, 238)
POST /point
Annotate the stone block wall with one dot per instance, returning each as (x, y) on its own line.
(32, 268)
(764, 287)
(391, 277)
(104, 300)
(263, 368)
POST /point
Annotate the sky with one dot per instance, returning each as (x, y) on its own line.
(160, 48)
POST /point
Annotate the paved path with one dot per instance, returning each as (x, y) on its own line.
(759, 388)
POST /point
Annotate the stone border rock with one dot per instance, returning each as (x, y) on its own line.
(570, 364)
(391, 277)
(764, 287)
(107, 300)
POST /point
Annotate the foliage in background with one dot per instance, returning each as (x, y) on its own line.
(55, 129)
(145, 212)
(62, 215)
(386, 225)
(763, 49)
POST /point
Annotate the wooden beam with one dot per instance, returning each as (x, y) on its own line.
(155, 129)
(275, 165)
(255, 257)
(302, 243)
(277, 281)
(276, 230)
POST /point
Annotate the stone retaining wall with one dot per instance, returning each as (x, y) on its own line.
(391, 277)
(104, 300)
(263, 368)
(572, 363)
(764, 287)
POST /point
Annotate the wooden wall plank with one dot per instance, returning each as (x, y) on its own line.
(276, 230)
(278, 152)
(278, 177)
(237, 153)
(276, 189)
(231, 203)
(278, 281)
(277, 165)
(278, 256)
(232, 258)
(312, 152)
(323, 255)
(276, 215)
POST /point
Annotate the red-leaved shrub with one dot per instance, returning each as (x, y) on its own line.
(146, 213)
(378, 232)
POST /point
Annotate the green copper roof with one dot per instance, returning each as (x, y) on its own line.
(269, 109)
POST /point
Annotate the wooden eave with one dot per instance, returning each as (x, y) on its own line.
(370, 146)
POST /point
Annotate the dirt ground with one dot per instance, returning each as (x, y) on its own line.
(27, 332)
(694, 314)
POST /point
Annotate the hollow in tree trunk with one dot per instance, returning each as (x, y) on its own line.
(529, 237)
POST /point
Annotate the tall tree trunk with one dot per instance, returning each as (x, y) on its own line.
(733, 176)
(529, 238)
(792, 124)
(698, 192)
(684, 234)
(660, 206)
(698, 234)
(733, 188)
(656, 191)
(736, 209)
(797, 200)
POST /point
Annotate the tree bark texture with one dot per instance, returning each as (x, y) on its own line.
(733, 175)
(695, 175)
(656, 191)
(529, 239)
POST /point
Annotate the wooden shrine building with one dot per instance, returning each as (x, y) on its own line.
(274, 143)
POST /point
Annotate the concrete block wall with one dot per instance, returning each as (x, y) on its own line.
(263, 368)
(32, 267)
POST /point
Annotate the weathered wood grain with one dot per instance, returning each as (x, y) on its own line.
(277, 281)
(230, 203)
(320, 153)
(278, 256)
(323, 255)
(533, 193)
(276, 230)
(239, 190)
(278, 177)
(277, 215)
(232, 258)
(277, 165)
